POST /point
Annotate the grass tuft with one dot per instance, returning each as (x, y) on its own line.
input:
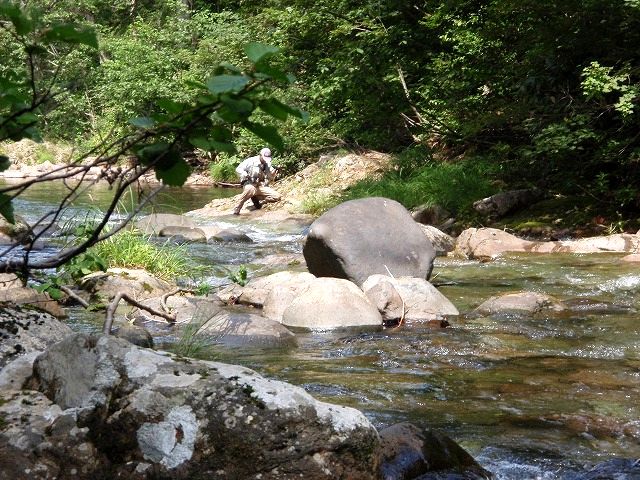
(129, 249)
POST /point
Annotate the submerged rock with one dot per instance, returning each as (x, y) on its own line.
(517, 303)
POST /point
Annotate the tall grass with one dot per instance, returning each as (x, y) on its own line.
(454, 186)
(128, 249)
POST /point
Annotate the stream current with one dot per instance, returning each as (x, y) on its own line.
(542, 397)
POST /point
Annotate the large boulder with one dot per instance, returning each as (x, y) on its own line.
(17, 232)
(272, 292)
(289, 287)
(363, 237)
(421, 301)
(114, 410)
(13, 292)
(331, 303)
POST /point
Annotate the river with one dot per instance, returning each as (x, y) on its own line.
(531, 398)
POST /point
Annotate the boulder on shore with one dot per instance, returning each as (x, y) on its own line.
(359, 238)
(491, 242)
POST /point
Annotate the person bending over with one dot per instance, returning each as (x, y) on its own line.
(255, 174)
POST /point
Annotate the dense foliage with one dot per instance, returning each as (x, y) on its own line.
(542, 93)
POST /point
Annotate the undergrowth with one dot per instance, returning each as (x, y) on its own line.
(454, 186)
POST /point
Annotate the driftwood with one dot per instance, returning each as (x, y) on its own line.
(227, 185)
(108, 322)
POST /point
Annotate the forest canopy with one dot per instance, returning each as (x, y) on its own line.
(544, 93)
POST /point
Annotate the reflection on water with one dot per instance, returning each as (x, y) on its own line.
(531, 398)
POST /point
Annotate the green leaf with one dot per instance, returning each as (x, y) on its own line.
(266, 132)
(258, 51)
(27, 118)
(201, 143)
(6, 208)
(227, 83)
(54, 293)
(170, 106)
(274, 108)
(21, 22)
(270, 72)
(5, 163)
(142, 122)
(148, 154)
(175, 175)
(222, 147)
(242, 105)
(75, 34)
(221, 134)
(281, 111)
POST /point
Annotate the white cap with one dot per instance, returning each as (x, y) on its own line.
(266, 153)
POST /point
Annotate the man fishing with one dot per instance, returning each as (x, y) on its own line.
(255, 174)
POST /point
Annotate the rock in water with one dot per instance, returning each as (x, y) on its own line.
(363, 237)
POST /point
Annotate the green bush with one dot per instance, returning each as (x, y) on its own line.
(224, 170)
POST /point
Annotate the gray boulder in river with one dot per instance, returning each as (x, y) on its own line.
(363, 237)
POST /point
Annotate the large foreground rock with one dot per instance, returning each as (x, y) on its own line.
(100, 407)
(363, 237)
(24, 330)
(491, 242)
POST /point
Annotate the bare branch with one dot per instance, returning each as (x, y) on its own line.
(108, 322)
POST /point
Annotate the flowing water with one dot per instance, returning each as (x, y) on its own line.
(531, 398)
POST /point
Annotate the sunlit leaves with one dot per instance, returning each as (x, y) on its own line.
(72, 34)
